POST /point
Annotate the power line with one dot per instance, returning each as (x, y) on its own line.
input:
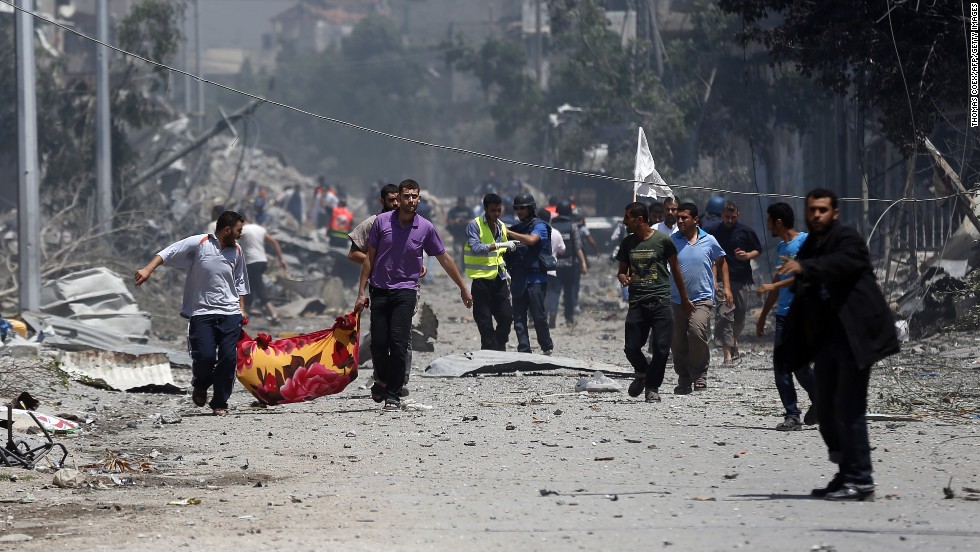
(440, 146)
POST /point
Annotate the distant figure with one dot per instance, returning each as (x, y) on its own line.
(294, 204)
(341, 221)
(252, 241)
(484, 263)
(741, 245)
(490, 185)
(571, 266)
(669, 223)
(656, 211)
(213, 302)
(216, 211)
(712, 213)
(457, 220)
(840, 321)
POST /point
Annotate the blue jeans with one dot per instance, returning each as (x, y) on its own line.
(641, 318)
(532, 299)
(214, 339)
(784, 379)
(391, 336)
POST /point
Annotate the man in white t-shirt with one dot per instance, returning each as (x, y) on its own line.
(253, 240)
(669, 224)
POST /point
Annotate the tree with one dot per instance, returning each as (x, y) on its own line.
(904, 61)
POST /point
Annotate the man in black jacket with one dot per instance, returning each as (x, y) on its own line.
(838, 320)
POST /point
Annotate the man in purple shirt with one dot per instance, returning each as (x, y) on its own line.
(393, 267)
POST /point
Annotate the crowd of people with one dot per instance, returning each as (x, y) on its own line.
(681, 272)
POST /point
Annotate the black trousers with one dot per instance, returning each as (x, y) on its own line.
(842, 403)
(491, 302)
(654, 319)
(256, 285)
(391, 336)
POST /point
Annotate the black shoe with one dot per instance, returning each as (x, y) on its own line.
(682, 390)
(810, 417)
(791, 423)
(636, 387)
(853, 493)
(836, 484)
(200, 396)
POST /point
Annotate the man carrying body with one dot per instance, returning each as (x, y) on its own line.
(840, 321)
(529, 280)
(359, 250)
(213, 302)
(643, 260)
(252, 242)
(780, 221)
(697, 253)
(741, 245)
(484, 263)
(393, 266)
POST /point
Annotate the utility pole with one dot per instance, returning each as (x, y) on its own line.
(186, 65)
(197, 67)
(103, 126)
(28, 201)
(658, 51)
(537, 42)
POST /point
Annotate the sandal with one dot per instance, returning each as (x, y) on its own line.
(700, 383)
(377, 392)
(220, 411)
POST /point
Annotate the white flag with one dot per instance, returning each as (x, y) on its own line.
(648, 182)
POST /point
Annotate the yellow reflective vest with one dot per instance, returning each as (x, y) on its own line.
(484, 266)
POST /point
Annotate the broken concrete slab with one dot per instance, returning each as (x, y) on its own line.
(120, 371)
(499, 362)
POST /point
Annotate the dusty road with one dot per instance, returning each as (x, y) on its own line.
(504, 463)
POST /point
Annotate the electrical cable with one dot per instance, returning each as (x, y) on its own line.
(453, 149)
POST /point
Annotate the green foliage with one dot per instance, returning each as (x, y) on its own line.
(373, 81)
(66, 107)
(905, 61)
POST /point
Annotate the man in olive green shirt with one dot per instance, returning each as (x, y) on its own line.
(643, 260)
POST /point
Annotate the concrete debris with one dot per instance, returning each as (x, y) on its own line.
(67, 478)
(97, 298)
(499, 362)
(597, 383)
(121, 371)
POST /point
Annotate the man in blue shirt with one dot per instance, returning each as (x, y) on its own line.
(697, 253)
(529, 279)
(780, 223)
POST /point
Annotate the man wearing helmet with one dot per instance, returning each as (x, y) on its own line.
(712, 213)
(529, 279)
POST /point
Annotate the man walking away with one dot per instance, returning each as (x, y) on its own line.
(484, 263)
(529, 279)
(643, 260)
(741, 245)
(393, 266)
(697, 253)
(780, 222)
(571, 265)
(252, 242)
(841, 322)
(213, 302)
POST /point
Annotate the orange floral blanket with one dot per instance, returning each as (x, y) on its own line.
(300, 368)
